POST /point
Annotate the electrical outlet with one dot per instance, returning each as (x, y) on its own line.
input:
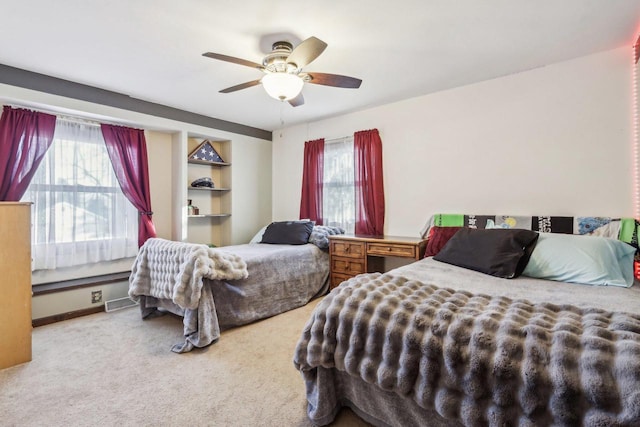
(96, 297)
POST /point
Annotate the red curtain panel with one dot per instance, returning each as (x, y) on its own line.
(127, 150)
(312, 181)
(367, 148)
(25, 137)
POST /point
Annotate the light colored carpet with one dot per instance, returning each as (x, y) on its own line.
(116, 369)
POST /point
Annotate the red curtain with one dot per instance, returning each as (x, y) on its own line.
(127, 150)
(312, 177)
(25, 137)
(367, 152)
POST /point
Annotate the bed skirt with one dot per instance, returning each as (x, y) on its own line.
(377, 407)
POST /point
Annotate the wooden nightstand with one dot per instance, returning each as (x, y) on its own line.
(352, 255)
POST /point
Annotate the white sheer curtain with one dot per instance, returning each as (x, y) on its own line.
(339, 195)
(80, 215)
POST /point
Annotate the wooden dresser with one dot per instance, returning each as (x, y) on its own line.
(352, 255)
(15, 285)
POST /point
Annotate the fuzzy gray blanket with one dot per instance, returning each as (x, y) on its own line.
(477, 359)
(171, 270)
(320, 235)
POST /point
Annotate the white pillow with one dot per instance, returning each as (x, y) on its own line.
(258, 237)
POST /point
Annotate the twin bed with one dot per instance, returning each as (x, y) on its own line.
(435, 344)
(218, 288)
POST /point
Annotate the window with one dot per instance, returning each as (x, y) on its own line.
(343, 177)
(80, 214)
(339, 199)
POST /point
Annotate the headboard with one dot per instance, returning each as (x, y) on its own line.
(625, 229)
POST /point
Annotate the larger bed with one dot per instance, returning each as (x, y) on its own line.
(434, 344)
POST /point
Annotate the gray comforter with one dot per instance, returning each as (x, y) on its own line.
(402, 351)
(281, 278)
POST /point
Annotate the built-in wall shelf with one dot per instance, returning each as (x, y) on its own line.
(208, 189)
(209, 157)
(203, 162)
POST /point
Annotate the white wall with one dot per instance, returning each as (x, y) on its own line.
(251, 178)
(555, 140)
(160, 176)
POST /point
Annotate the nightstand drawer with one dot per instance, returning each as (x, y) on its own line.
(347, 266)
(390, 249)
(337, 278)
(347, 249)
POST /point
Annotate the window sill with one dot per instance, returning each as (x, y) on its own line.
(85, 282)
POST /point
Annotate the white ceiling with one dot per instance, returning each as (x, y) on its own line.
(152, 49)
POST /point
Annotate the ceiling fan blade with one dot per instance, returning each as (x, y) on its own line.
(297, 101)
(233, 59)
(306, 52)
(241, 86)
(334, 80)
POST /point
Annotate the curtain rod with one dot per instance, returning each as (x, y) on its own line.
(338, 140)
(79, 120)
(66, 117)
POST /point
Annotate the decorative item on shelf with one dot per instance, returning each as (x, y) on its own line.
(205, 153)
(203, 182)
(190, 208)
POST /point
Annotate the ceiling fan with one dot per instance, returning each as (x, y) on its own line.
(284, 78)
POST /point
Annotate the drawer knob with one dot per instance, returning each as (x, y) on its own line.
(389, 249)
(346, 249)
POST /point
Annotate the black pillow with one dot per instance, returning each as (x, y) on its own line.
(288, 232)
(498, 252)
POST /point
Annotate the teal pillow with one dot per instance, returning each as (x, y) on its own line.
(588, 260)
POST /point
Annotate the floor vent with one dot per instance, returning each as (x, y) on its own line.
(118, 304)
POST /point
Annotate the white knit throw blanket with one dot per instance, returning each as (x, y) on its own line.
(175, 270)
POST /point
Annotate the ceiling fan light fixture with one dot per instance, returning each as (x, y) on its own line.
(282, 86)
(283, 68)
